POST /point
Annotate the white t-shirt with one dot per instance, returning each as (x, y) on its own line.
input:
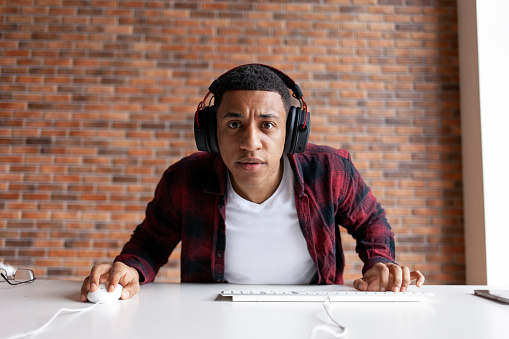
(264, 242)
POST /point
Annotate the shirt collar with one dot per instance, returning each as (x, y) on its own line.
(296, 166)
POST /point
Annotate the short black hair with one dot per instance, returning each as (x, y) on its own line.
(252, 77)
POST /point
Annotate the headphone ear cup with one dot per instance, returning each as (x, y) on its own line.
(205, 130)
(291, 123)
(212, 130)
(301, 131)
(297, 134)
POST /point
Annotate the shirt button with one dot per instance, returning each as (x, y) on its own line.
(219, 254)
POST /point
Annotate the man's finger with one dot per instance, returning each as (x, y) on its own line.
(360, 284)
(418, 277)
(98, 274)
(383, 276)
(397, 277)
(117, 272)
(406, 278)
(130, 290)
(84, 289)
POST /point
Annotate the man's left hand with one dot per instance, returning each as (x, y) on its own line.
(388, 277)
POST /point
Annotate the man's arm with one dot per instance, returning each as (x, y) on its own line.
(365, 220)
(157, 236)
(148, 249)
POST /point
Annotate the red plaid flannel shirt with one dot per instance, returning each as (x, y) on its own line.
(189, 207)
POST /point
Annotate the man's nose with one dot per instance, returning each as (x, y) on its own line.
(251, 139)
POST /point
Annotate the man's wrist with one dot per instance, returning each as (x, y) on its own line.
(136, 273)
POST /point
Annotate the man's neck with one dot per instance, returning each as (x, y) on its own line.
(260, 193)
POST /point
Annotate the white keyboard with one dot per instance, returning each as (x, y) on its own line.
(325, 295)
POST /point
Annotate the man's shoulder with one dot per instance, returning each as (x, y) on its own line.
(317, 152)
(197, 171)
(196, 164)
(320, 161)
(195, 159)
(322, 165)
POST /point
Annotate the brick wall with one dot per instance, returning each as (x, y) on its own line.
(97, 99)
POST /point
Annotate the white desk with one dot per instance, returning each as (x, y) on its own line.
(191, 311)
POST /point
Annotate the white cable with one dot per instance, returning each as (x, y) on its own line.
(34, 332)
(328, 329)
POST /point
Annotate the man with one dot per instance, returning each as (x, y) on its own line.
(255, 213)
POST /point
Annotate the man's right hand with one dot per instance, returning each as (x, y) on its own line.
(116, 273)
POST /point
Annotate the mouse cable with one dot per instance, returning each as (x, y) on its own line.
(328, 329)
(70, 310)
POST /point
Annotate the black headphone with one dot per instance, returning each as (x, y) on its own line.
(297, 122)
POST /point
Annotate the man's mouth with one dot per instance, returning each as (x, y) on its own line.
(250, 165)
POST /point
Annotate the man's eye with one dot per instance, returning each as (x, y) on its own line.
(268, 125)
(234, 124)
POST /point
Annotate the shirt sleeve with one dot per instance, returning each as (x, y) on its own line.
(156, 237)
(365, 219)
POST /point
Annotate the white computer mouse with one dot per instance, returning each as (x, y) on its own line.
(103, 296)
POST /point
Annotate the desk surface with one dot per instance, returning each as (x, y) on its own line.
(192, 311)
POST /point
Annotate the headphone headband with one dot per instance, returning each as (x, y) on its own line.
(286, 79)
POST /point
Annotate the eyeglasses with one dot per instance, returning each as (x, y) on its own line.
(21, 276)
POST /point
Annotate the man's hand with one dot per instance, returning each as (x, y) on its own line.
(388, 277)
(116, 273)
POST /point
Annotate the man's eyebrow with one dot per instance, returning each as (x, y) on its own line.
(262, 116)
(231, 115)
(269, 116)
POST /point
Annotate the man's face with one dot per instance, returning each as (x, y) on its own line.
(251, 130)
